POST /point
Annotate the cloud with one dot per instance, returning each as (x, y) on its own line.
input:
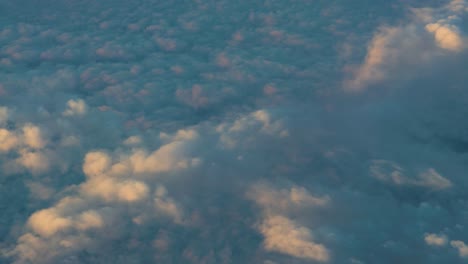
(133, 140)
(446, 37)
(75, 107)
(28, 144)
(166, 158)
(47, 222)
(390, 172)
(461, 246)
(166, 205)
(434, 180)
(435, 240)
(393, 47)
(379, 53)
(237, 132)
(8, 140)
(96, 163)
(36, 162)
(282, 235)
(112, 182)
(210, 133)
(33, 136)
(284, 200)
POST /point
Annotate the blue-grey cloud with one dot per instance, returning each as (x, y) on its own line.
(233, 132)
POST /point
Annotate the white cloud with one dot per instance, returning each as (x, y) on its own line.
(133, 140)
(89, 219)
(168, 157)
(131, 191)
(166, 205)
(33, 136)
(380, 51)
(391, 172)
(47, 222)
(34, 161)
(75, 108)
(435, 240)
(432, 179)
(180, 135)
(28, 144)
(96, 163)
(284, 236)
(241, 129)
(458, 6)
(30, 136)
(110, 189)
(8, 140)
(283, 200)
(392, 47)
(111, 185)
(446, 36)
(31, 247)
(461, 246)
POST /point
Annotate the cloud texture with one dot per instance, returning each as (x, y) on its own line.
(233, 132)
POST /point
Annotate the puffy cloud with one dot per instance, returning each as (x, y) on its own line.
(28, 144)
(33, 136)
(132, 191)
(435, 240)
(283, 200)
(446, 37)
(31, 247)
(166, 158)
(110, 185)
(8, 140)
(458, 6)
(75, 107)
(113, 190)
(133, 140)
(47, 222)
(461, 246)
(96, 163)
(390, 172)
(36, 162)
(282, 235)
(379, 53)
(434, 180)
(399, 46)
(30, 136)
(89, 219)
(166, 205)
(261, 121)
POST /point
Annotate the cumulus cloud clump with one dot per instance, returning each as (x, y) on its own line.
(75, 107)
(280, 233)
(111, 185)
(394, 46)
(435, 240)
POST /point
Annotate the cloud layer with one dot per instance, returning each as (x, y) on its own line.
(254, 132)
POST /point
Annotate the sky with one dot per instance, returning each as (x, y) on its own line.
(201, 131)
